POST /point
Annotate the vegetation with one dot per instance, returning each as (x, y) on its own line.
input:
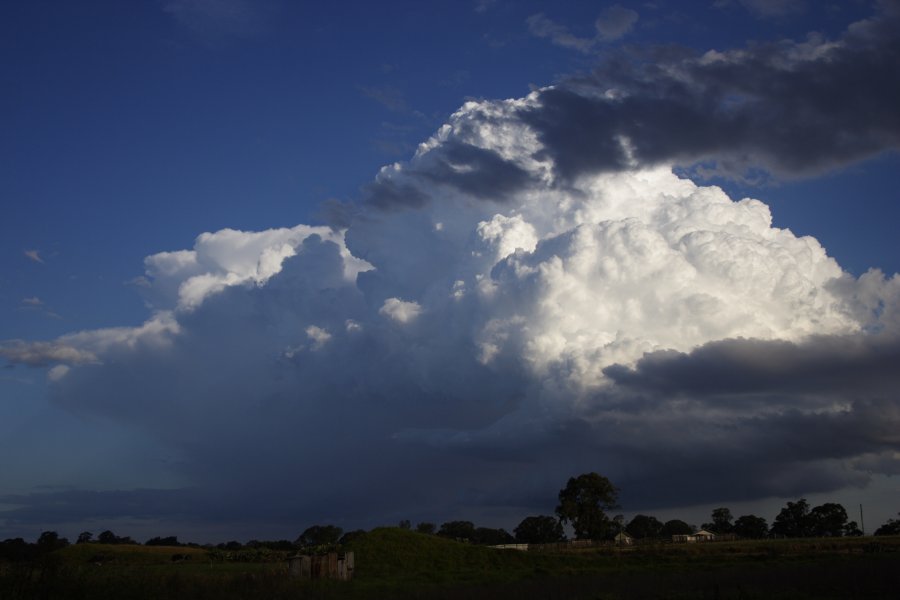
(583, 503)
(401, 563)
(540, 529)
(832, 562)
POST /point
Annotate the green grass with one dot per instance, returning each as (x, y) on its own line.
(396, 563)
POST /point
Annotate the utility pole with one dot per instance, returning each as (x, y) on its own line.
(862, 523)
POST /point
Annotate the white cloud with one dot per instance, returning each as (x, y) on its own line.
(57, 372)
(34, 255)
(45, 353)
(226, 258)
(400, 310)
(318, 335)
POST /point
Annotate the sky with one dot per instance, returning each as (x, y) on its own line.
(270, 264)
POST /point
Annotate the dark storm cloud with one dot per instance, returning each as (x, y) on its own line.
(824, 365)
(387, 194)
(741, 419)
(466, 168)
(791, 108)
(476, 171)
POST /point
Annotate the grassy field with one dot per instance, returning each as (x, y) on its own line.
(395, 563)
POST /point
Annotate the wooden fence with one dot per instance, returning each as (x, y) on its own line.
(325, 566)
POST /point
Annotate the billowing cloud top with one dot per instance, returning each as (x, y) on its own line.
(534, 293)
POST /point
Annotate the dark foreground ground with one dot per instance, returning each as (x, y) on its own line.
(393, 563)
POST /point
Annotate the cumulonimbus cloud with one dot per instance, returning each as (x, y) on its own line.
(516, 304)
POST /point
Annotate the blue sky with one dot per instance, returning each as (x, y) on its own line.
(128, 129)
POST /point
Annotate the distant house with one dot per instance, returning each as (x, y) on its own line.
(623, 539)
(692, 538)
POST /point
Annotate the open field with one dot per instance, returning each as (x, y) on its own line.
(394, 563)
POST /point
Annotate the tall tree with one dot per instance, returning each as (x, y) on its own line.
(721, 521)
(793, 520)
(583, 503)
(751, 527)
(319, 535)
(828, 520)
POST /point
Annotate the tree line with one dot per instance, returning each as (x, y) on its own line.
(585, 503)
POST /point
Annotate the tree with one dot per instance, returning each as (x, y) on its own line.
(540, 529)
(751, 527)
(583, 502)
(107, 537)
(675, 527)
(405, 524)
(172, 540)
(351, 535)
(828, 520)
(16, 550)
(793, 520)
(644, 527)
(319, 535)
(427, 528)
(492, 537)
(85, 537)
(458, 530)
(892, 527)
(50, 541)
(852, 529)
(721, 521)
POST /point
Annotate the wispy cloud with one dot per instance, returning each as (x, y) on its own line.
(214, 20)
(767, 8)
(34, 255)
(612, 24)
(388, 96)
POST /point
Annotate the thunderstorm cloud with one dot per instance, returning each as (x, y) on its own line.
(539, 291)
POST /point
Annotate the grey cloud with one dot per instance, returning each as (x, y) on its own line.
(825, 365)
(614, 22)
(479, 172)
(793, 109)
(543, 27)
(386, 194)
(476, 171)
(781, 419)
